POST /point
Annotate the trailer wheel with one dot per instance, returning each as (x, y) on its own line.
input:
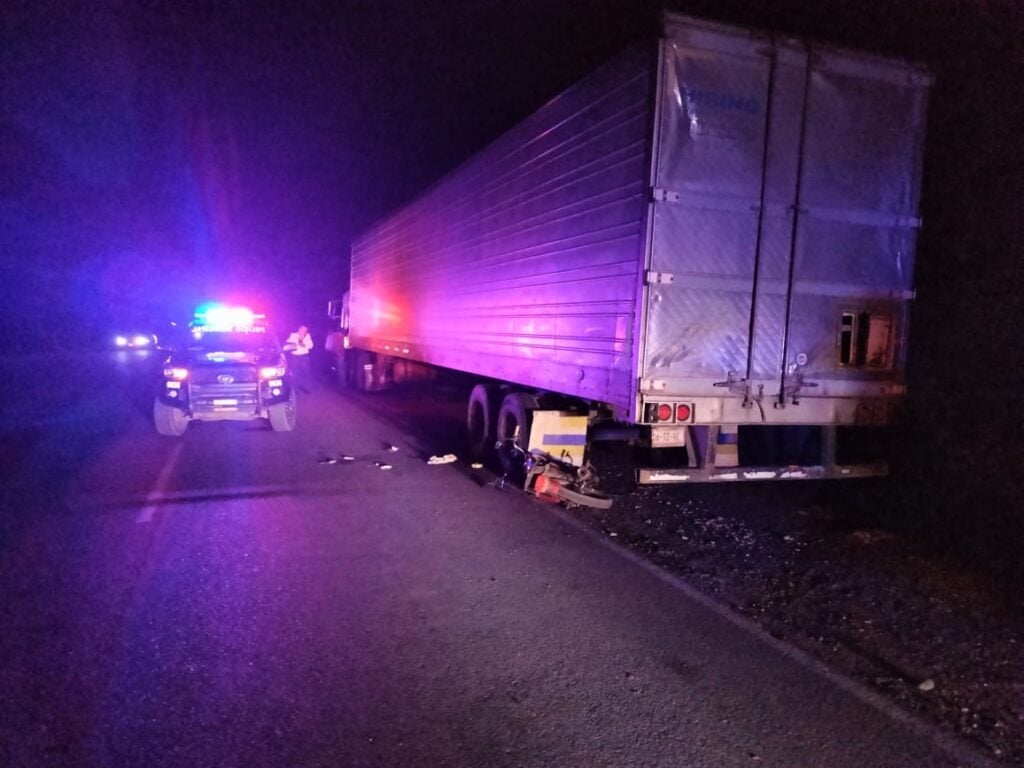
(362, 380)
(340, 366)
(480, 420)
(514, 426)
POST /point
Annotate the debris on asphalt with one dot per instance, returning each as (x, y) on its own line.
(448, 458)
(927, 685)
(336, 460)
(381, 465)
(391, 447)
(477, 465)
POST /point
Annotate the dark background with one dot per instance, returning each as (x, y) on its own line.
(153, 155)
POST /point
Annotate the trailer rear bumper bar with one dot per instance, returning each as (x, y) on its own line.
(660, 476)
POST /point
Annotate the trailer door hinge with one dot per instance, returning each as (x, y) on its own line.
(661, 195)
(658, 278)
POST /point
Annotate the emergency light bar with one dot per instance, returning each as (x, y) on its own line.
(219, 317)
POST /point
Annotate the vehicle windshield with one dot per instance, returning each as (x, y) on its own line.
(253, 341)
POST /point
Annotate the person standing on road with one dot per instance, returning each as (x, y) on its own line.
(298, 346)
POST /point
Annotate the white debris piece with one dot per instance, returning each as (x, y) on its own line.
(448, 458)
(477, 465)
(927, 685)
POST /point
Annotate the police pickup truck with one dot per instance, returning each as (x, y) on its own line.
(230, 367)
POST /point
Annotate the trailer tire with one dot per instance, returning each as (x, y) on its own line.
(514, 419)
(169, 420)
(481, 418)
(340, 370)
(357, 371)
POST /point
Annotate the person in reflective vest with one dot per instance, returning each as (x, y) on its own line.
(298, 346)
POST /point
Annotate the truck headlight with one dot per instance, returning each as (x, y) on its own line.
(272, 371)
(177, 374)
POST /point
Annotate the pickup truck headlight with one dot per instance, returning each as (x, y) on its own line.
(176, 374)
(273, 371)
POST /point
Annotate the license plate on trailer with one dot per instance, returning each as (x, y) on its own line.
(225, 401)
(668, 436)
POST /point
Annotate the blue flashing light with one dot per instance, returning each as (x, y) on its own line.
(220, 317)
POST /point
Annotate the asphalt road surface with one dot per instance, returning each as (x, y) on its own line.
(226, 599)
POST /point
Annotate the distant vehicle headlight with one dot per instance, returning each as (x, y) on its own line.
(121, 341)
(141, 341)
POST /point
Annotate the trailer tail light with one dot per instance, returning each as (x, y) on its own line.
(667, 413)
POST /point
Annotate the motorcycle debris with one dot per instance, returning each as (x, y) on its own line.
(477, 465)
(328, 461)
(382, 465)
(448, 458)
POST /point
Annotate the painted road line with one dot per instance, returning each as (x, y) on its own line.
(146, 513)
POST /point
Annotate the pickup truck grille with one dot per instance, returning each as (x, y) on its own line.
(208, 375)
(210, 395)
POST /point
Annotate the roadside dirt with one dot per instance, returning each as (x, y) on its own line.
(812, 566)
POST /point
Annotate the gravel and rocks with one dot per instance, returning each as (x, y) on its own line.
(815, 567)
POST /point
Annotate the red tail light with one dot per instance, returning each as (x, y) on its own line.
(683, 412)
(664, 412)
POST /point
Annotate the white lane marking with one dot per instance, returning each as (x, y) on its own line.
(146, 513)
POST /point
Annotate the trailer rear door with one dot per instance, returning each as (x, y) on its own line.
(785, 185)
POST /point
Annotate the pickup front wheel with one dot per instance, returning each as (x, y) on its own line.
(282, 415)
(169, 420)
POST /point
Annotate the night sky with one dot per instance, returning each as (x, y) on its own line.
(158, 154)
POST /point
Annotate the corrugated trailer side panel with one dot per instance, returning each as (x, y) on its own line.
(525, 263)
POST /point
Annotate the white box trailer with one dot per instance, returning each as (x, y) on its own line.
(711, 239)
